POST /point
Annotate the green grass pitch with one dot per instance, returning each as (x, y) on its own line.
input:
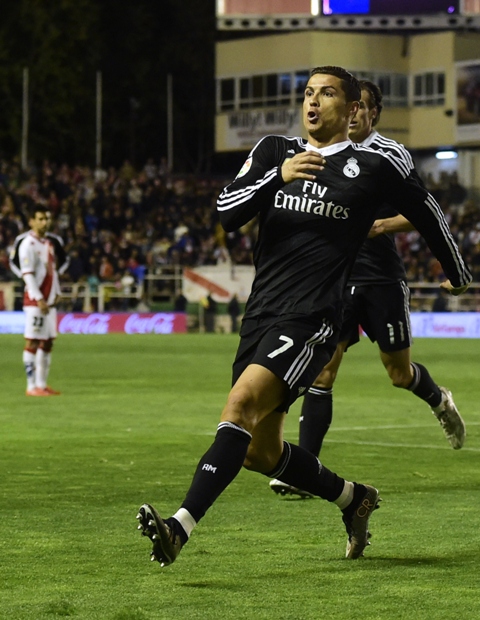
(135, 415)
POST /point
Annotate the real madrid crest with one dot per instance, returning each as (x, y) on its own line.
(351, 170)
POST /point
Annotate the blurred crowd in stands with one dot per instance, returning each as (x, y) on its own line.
(124, 223)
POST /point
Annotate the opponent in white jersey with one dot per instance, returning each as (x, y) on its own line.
(37, 263)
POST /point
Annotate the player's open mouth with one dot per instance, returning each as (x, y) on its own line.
(313, 116)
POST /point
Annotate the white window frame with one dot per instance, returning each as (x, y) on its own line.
(424, 99)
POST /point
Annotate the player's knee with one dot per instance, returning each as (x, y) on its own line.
(240, 409)
(325, 380)
(400, 379)
(46, 345)
(261, 460)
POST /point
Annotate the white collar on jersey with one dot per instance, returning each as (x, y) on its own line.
(329, 150)
(370, 138)
(34, 234)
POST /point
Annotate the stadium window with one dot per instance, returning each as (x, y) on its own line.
(394, 87)
(245, 92)
(429, 88)
(227, 94)
(258, 90)
(285, 87)
(300, 81)
(398, 91)
(272, 89)
(402, 85)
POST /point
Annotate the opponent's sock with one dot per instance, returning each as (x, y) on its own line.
(217, 468)
(303, 470)
(424, 386)
(47, 361)
(40, 378)
(315, 418)
(29, 365)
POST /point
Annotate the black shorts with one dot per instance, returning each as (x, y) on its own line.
(294, 350)
(383, 313)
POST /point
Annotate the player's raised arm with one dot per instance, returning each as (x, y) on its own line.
(302, 166)
(268, 168)
(254, 186)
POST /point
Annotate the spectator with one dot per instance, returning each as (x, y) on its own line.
(106, 271)
(210, 310)
(98, 214)
(180, 303)
(127, 281)
(234, 311)
(440, 303)
(76, 269)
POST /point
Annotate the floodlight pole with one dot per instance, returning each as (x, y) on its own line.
(98, 140)
(24, 153)
(169, 123)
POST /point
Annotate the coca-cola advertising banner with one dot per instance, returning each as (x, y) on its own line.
(128, 323)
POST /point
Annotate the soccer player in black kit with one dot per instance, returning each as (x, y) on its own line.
(377, 298)
(61, 257)
(316, 201)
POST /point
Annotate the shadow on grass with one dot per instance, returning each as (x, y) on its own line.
(60, 609)
(220, 584)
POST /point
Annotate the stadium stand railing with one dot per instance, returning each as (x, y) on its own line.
(163, 289)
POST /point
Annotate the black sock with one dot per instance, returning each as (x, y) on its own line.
(177, 528)
(424, 386)
(303, 470)
(217, 468)
(359, 491)
(315, 419)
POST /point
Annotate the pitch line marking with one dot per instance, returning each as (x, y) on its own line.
(388, 427)
(382, 444)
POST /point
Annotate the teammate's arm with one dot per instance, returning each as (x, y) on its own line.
(398, 223)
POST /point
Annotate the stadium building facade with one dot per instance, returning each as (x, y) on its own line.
(430, 82)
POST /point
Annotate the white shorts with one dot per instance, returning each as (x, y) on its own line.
(40, 326)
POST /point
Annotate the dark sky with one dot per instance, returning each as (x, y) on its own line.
(135, 45)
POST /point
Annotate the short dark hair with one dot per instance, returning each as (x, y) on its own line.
(36, 208)
(376, 97)
(350, 84)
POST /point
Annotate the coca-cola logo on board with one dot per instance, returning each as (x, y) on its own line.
(89, 324)
(159, 323)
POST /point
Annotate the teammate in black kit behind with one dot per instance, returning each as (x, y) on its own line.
(377, 298)
(61, 257)
(316, 201)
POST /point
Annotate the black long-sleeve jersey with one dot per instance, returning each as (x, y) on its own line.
(378, 261)
(62, 258)
(310, 231)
